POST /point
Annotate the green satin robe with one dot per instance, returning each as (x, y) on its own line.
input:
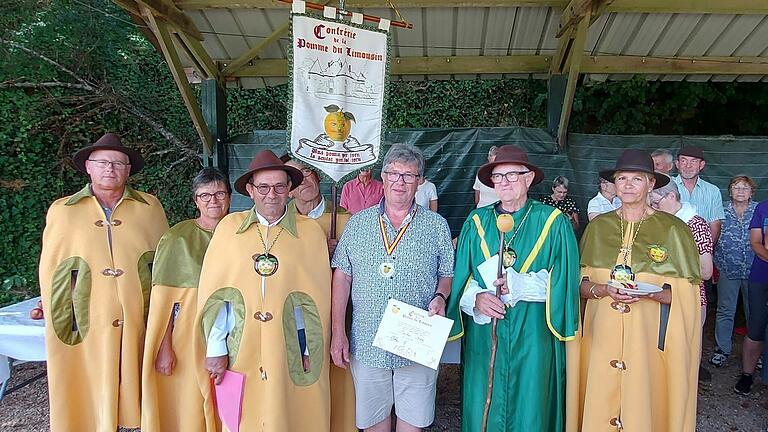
(529, 375)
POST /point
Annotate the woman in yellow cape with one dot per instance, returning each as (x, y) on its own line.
(171, 400)
(635, 361)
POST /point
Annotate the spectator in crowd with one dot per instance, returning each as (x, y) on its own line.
(171, 399)
(667, 199)
(704, 196)
(264, 308)
(95, 280)
(733, 258)
(758, 299)
(663, 161)
(426, 195)
(605, 201)
(561, 201)
(361, 192)
(485, 194)
(536, 314)
(632, 366)
(393, 251)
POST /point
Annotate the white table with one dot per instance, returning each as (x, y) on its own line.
(22, 339)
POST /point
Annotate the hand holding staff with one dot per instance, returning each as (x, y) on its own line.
(504, 224)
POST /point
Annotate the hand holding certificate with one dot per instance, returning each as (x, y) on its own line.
(411, 333)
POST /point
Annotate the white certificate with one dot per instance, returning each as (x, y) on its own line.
(411, 333)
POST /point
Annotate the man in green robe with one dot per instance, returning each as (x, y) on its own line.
(537, 313)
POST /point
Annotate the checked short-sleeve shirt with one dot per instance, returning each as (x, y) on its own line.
(424, 254)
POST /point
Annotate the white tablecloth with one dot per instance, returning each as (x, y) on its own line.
(21, 338)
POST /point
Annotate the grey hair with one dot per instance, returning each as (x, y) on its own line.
(669, 187)
(404, 153)
(560, 181)
(209, 175)
(664, 152)
(492, 151)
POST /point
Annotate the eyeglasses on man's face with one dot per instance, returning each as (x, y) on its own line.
(206, 197)
(394, 177)
(510, 176)
(263, 189)
(103, 164)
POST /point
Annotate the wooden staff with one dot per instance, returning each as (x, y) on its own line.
(334, 207)
(504, 224)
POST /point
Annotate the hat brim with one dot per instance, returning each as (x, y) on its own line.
(485, 171)
(661, 179)
(294, 174)
(134, 157)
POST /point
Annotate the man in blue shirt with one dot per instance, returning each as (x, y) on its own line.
(703, 195)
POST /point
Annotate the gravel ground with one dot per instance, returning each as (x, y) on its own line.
(720, 409)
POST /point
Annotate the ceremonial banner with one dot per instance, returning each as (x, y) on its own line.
(339, 74)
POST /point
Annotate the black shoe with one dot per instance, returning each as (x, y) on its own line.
(704, 374)
(744, 386)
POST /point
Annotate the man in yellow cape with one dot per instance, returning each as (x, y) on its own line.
(307, 200)
(95, 280)
(264, 308)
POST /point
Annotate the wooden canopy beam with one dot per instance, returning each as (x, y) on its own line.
(246, 58)
(160, 29)
(758, 7)
(574, 67)
(166, 10)
(535, 64)
(198, 54)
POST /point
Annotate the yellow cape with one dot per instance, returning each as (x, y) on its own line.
(174, 403)
(279, 395)
(637, 364)
(342, 387)
(95, 303)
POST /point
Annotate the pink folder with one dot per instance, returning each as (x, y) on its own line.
(229, 399)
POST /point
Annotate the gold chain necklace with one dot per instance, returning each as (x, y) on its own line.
(628, 248)
(509, 257)
(263, 243)
(520, 225)
(266, 264)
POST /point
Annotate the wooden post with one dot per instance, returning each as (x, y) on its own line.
(213, 99)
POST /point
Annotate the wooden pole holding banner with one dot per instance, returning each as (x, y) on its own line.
(371, 18)
(504, 224)
(334, 208)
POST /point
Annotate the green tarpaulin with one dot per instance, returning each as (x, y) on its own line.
(453, 156)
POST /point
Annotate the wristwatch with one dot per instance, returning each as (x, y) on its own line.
(439, 294)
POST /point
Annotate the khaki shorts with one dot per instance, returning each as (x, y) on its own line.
(411, 389)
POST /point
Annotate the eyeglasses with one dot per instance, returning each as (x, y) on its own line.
(263, 189)
(394, 177)
(206, 197)
(511, 176)
(116, 165)
(741, 188)
(655, 202)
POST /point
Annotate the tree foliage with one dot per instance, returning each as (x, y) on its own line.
(71, 70)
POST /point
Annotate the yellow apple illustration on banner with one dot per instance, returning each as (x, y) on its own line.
(337, 123)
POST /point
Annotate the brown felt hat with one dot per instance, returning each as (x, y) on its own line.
(109, 141)
(509, 154)
(266, 160)
(635, 160)
(692, 151)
